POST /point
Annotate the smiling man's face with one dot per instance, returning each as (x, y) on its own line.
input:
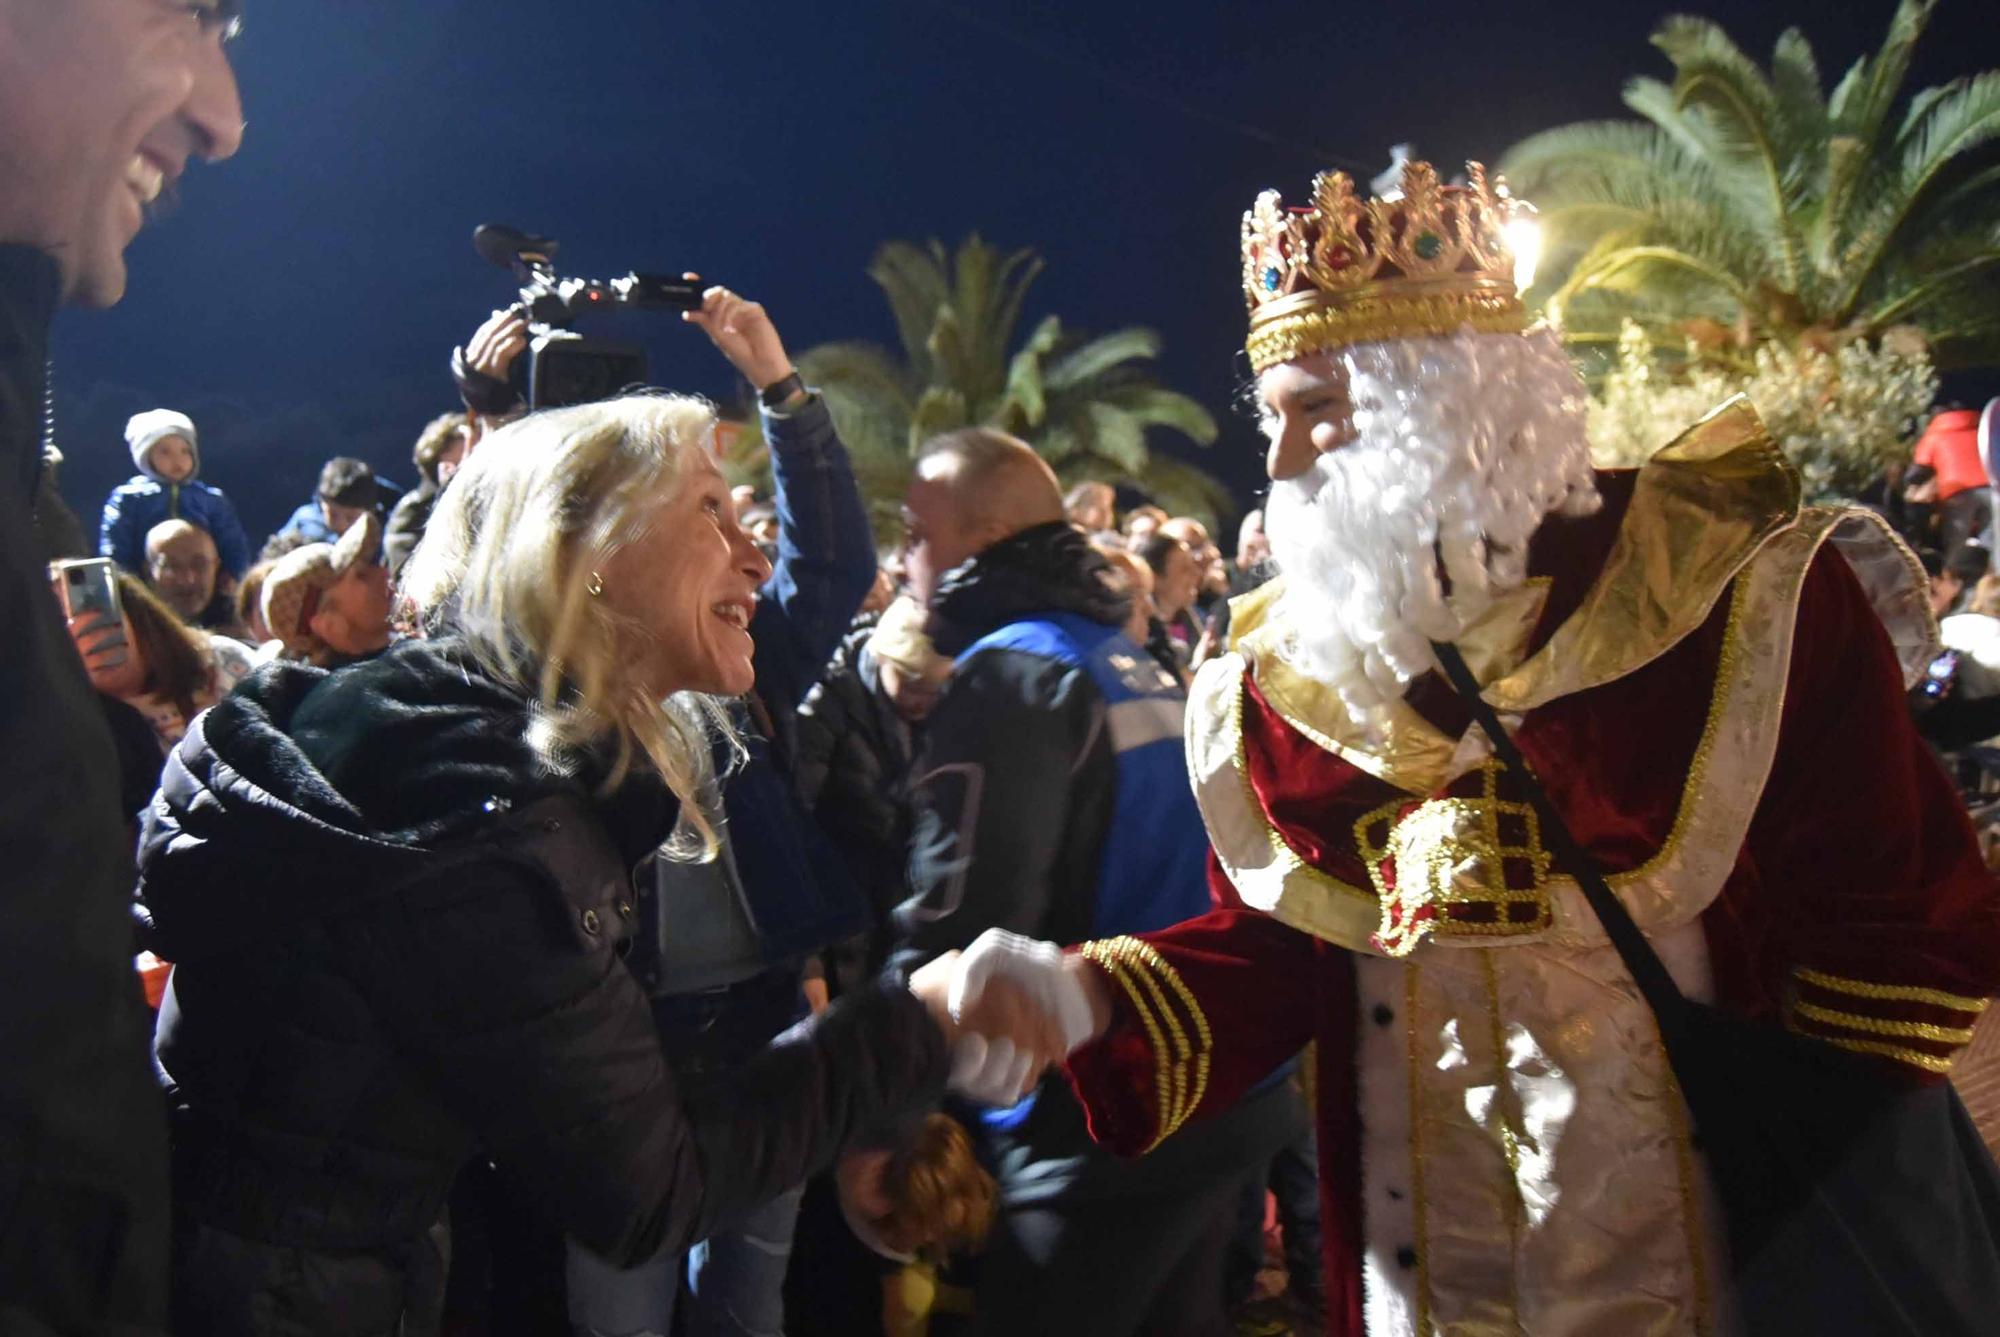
(102, 105)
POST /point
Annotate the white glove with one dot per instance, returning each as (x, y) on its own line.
(994, 1071)
(990, 1072)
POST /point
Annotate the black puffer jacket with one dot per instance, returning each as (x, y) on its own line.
(1016, 782)
(83, 1155)
(397, 945)
(853, 774)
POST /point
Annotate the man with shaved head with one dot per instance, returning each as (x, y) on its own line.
(184, 569)
(1053, 800)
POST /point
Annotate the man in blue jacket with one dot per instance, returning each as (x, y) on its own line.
(1052, 801)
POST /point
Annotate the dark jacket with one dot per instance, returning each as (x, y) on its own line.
(1015, 786)
(799, 896)
(83, 1180)
(397, 942)
(407, 521)
(145, 500)
(853, 772)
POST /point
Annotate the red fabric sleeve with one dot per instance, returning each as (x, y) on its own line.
(1202, 1012)
(1861, 910)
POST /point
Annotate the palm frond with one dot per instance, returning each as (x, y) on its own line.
(1657, 102)
(1091, 360)
(1712, 73)
(940, 409)
(1114, 436)
(1155, 406)
(1796, 85)
(1188, 489)
(1963, 118)
(1026, 397)
(1017, 273)
(860, 368)
(1860, 104)
(1086, 403)
(914, 279)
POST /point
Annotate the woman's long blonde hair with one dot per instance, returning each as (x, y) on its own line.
(509, 562)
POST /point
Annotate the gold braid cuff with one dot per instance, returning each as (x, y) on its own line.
(1176, 1028)
(1860, 1025)
(1900, 993)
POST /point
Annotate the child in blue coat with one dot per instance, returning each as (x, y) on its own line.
(166, 453)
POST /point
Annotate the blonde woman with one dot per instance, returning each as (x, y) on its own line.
(397, 893)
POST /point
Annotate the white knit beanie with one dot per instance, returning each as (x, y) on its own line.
(147, 429)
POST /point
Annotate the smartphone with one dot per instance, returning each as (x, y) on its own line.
(87, 587)
(1939, 675)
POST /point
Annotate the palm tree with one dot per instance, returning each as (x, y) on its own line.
(1084, 403)
(1750, 205)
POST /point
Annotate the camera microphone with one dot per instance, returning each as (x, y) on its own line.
(510, 248)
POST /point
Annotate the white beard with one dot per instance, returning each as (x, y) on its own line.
(1464, 444)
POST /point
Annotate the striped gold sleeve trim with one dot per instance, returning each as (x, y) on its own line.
(1175, 1026)
(1886, 1020)
(1914, 1057)
(1908, 1030)
(1898, 993)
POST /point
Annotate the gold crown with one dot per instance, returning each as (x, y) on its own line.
(1351, 270)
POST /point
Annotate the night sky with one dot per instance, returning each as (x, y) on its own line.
(303, 299)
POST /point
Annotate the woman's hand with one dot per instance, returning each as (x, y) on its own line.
(109, 656)
(742, 331)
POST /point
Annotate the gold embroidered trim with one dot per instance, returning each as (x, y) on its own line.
(1181, 1069)
(1907, 1030)
(1691, 1213)
(1094, 953)
(1507, 1111)
(1387, 314)
(1914, 1057)
(1291, 862)
(1702, 510)
(1183, 1052)
(1901, 993)
(1450, 853)
(1163, 971)
(1414, 1069)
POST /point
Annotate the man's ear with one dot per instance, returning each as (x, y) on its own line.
(328, 624)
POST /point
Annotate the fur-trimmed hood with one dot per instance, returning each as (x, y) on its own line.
(1050, 568)
(306, 789)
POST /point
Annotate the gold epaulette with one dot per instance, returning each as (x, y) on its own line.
(1176, 1028)
(1909, 1023)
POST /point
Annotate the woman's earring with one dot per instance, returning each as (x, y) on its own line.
(596, 585)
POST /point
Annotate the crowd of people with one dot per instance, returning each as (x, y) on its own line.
(576, 894)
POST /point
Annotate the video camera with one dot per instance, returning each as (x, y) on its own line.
(564, 367)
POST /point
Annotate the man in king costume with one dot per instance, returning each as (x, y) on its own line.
(1707, 677)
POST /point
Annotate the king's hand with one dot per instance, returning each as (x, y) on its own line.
(1012, 1007)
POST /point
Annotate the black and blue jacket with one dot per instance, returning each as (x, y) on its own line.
(1052, 796)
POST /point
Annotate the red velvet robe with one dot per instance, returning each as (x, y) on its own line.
(1857, 907)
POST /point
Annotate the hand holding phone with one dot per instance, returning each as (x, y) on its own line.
(88, 592)
(87, 586)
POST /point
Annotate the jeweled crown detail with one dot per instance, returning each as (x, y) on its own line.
(1352, 270)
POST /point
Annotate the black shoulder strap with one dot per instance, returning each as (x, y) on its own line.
(1647, 970)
